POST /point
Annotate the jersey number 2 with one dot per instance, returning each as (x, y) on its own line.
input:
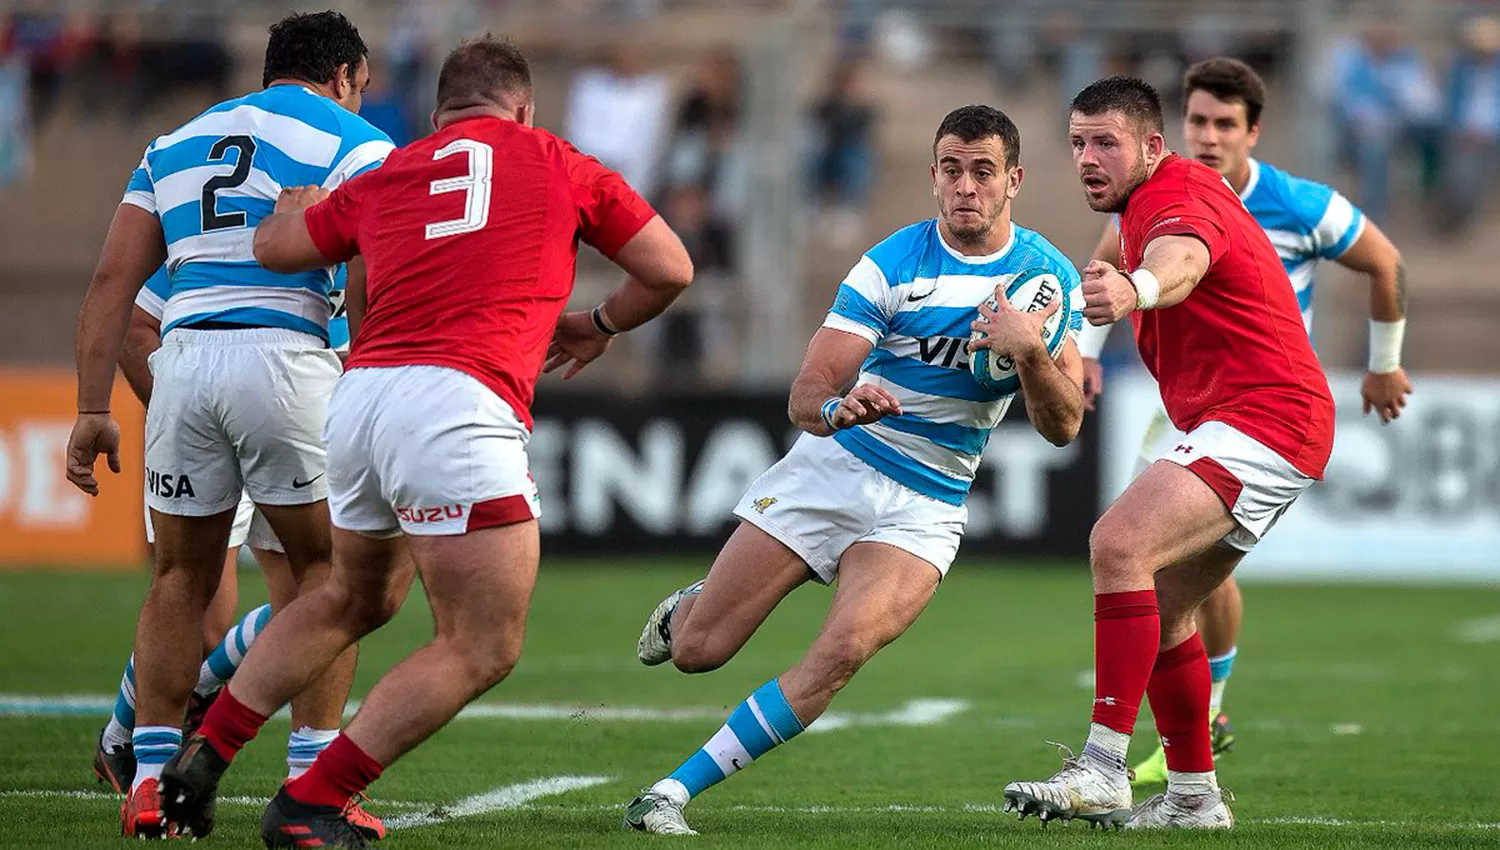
(212, 219)
(475, 185)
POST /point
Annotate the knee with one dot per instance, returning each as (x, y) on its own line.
(697, 652)
(361, 609)
(836, 658)
(1113, 553)
(488, 662)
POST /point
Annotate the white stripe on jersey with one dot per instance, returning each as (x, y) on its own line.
(363, 156)
(219, 246)
(926, 452)
(144, 200)
(302, 142)
(186, 186)
(958, 290)
(937, 408)
(1335, 223)
(839, 323)
(152, 303)
(1291, 245)
(303, 303)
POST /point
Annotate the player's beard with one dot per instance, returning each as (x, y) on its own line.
(977, 233)
(1116, 199)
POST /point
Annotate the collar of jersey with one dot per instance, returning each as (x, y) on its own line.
(1253, 181)
(978, 261)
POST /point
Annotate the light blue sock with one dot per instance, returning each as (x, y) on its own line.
(226, 657)
(154, 746)
(303, 748)
(759, 723)
(1221, 666)
(122, 721)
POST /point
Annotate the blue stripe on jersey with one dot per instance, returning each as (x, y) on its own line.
(255, 317)
(855, 307)
(1304, 298)
(203, 275)
(935, 321)
(925, 378)
(160, 284)
(959, 438)
(186, 220)
(902, 469)
(140, 181)
(1338, 248)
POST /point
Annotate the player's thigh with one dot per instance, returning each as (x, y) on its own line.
(275, 410)
(749, 578)
(881, 591)
(1166, 515)
(305, 535)
(193, 545)
(371, 576)
(281, 587)
(191, 466)
(479, 586)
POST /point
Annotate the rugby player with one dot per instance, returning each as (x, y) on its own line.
(1306, 222)
(244, 371)
(1219, 327)
(873, 493)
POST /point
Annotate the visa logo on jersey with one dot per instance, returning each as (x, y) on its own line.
(169, 486)
(946, 351)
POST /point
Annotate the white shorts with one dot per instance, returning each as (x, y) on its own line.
(427, 450)
(1255, 483)
(234, 411)
(250, 527)
(819, 500)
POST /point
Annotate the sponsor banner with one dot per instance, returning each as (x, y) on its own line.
(44, 520)
(1416, 500)
(663, 473)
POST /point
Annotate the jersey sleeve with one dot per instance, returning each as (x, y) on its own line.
(333, 223)
(863, 304)
(1176, 212)
(364, 148)
(140, 191)
(609, 211)
(153, 296)
(1338, 228)
(1073, 290)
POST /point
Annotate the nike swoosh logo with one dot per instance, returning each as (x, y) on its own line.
(298, 485)
(920, 297)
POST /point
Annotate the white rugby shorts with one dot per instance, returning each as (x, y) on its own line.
(235, 411)
(425, 450)
(250, 527)
(1255, 483)
(819, 500)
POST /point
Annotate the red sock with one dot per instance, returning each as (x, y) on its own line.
(1127, 629)
(1179, 689)
(342, 771)
(230, 725)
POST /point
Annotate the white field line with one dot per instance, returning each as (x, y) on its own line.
(500, 799)
(1481, 630)
(521, 797)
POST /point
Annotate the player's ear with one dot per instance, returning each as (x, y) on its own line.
(433, 119)
(1015, 177)
(343, 82)
(933, 168)
(525, 114)
(1253, 136)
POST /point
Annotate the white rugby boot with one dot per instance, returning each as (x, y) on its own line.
(1183, 811)
(1083, 789)
(655, 643)
(659, 810)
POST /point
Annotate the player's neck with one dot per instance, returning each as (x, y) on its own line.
(994, 242)
(312, 87)
(453, 116)
(1241, 178)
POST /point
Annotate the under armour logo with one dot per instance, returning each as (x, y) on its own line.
(1106, 701)
(1184, 448)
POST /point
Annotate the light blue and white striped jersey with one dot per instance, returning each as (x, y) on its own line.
(153, 299)
(914, 297)
(1305, 221)
(215, 178)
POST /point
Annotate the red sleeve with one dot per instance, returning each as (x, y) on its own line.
(333, 223)
(1179, 213)
(609, 211)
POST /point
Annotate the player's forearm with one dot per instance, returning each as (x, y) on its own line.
(805, 405)
(102, 325)
(1388, 292)
(637, 302)
(140, 340)
(1176, 263)
(1054, 399)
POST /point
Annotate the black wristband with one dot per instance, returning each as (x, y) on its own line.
(599, 324)
(104, 412)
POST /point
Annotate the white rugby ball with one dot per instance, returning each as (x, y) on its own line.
(1028, 291)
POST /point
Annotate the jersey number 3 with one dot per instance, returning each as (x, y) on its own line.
(475, 185)
(212, 218)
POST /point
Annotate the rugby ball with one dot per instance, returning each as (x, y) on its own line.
(1028, 291)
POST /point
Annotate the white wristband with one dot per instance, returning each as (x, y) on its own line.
(1091, 339)
(1385, 345)
(1147, 288)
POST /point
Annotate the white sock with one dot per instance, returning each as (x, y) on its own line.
(303, 748)
(1107, 747)
(673, 790)
(1192, 784)
(154, 747)
(1216, 698)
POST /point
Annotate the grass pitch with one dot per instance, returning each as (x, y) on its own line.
(1366, 718)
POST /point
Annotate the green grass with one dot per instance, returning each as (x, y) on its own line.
(1419, 772)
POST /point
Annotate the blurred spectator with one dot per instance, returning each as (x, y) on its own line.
(694, 340)
(49, 42)
(843, 160)
(618, 113)
(411, 48)
(15, 113)
(112, 77)
(1473, 123)
(705, 151)
(1384, 96)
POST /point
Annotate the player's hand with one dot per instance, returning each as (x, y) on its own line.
(1385, 394)
(1093, 382)
(864, 404)
(298, 198)
(1108, 296)
(1009, 331)
(575, 341)
(93, 434)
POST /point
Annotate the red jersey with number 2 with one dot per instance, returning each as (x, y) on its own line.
(470, 242)
(1235, 350)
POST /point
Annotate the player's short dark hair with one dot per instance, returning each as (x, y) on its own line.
(973, 123)
(1134, 97)
(482, 72)
(311, 47)
(1227, 79)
